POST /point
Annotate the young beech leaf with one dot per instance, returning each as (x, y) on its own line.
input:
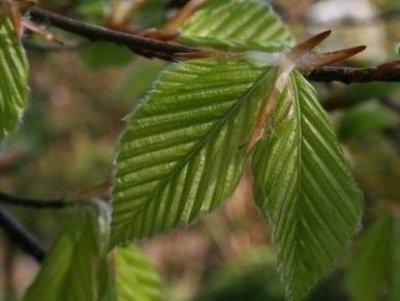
(182, 150)
(136, 278)
(303, 184)
(374, 272)
(236, 25)
(13, 79)
(69, 272)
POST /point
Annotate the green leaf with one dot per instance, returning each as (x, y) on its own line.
(138, 79)
(106, 287)
(374, 272)
(365, 91)
(91, 10)
(303, 184)
(136, 276)
(103, 55)
(236, 25)
(151, 14)
(365, 119)
(181, 153)
(13, 80)
(69, 270)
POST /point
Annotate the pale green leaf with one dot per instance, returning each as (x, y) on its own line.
(303, 184)
(69, 272)
(375, 266)
(181, 153)
(13, 77)
(136, 276)
(236, 25)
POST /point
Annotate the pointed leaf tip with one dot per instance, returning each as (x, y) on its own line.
(303, 184)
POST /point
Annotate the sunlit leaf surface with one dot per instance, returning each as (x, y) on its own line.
(236, 25)
(136, 277)
(181, 152)
(13, 77)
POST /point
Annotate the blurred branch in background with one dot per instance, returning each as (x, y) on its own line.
(48, 46)
(391, 104)
(20, 236)
(393, 136)
(10, 199)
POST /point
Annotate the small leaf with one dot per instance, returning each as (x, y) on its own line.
(103, 55)
(367, 91)
(181, 153)
(69, 270)
(236, 25)
(374, 272)
(138, 79)
(364, 119)
(13, 80)
(304, 185)
(136, 276)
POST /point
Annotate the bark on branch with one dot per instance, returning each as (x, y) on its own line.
(148, 47)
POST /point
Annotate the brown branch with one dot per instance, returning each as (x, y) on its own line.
(389, 72)
(138, 44)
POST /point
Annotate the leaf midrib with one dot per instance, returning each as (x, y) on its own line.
(197, 147)
(293, 86)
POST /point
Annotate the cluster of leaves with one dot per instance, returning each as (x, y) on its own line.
(183, 152)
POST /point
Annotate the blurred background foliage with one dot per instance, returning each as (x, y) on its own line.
(79, 95)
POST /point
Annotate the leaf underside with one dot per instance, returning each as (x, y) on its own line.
(304, 186)
(136, 276)
(13, 77)
(181, 153)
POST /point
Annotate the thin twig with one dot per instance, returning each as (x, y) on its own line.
(20, 236)
(389, 72)
(141, 45)
(10, 199)
(50, 47)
